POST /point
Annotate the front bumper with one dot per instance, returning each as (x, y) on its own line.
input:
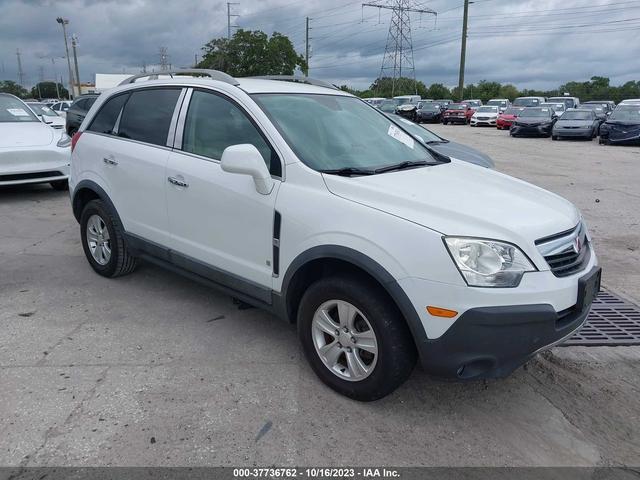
(455, 119)
(428, 117)
(573, 132)
(531, 130)
(489, 122)
(34, 165)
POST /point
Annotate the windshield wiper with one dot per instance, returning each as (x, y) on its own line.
(436, 142)
(402, 166)
(348, 171)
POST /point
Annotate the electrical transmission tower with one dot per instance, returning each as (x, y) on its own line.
(398, 54)
(164, 59)
(20, 71)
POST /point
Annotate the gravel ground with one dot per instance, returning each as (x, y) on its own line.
(153, 369)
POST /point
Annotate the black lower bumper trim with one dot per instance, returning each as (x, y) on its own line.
(491, 342)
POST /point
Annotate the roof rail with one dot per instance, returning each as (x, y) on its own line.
(293, 78)
(214, 74)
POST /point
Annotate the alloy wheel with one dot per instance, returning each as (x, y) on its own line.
(98, 239)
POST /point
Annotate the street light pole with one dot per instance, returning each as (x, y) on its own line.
(64, 22)
(463, 49)
(74, 44)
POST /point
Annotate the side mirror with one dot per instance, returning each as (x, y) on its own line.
(44, 120)
(245, 159)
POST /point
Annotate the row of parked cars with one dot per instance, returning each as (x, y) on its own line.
(555, 117)
(65, 114)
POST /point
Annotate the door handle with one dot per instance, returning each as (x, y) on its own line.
(177, 182)
(110, 161)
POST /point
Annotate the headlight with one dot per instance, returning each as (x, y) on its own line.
(488, 263)
(65, 141)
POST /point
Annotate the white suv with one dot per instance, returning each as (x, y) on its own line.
(304, 200)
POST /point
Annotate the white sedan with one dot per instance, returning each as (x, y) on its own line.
(30, 151)
(485, 115)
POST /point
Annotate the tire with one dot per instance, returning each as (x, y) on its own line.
(60, 185)
(396, 353)
(554, 137)
(444, 122)
(119, 261)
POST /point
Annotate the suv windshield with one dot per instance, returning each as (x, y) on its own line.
(488, 109)
(430, 107)
(497, 103)
(626, 113)
(402, 101)
(340, 132)
(13, 110)
(526, 102)
(536, 112)
(455, 106)
(577, 115)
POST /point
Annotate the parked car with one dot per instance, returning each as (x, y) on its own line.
(608, 105)
(528, 101)
(77, 112)
(501, 103)
(623, 126)
(630, 100)
(407, 99)
(506, 118)
(375, 101)
(61, 108)
(558, 108)
(473, 103)
(582, 123)
(30, 151)
(380, 249)
(457, 113)
(536, 121)
(485, 115)
(429, 112)
(598, 109)
(444, 101)
(387, 106)
(569, 102)
(46, 115)
(442, 145)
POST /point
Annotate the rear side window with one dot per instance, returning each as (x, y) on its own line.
(105, 119)
(146, 116)
(214, 123)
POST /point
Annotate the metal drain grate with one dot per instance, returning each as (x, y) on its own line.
(611, 322)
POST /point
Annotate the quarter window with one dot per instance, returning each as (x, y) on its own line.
(214, 123)
(146, 116)
(105, 119)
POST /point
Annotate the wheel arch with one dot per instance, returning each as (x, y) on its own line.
(84, 192)
(325, 260)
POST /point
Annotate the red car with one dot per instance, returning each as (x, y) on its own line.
(457, 113)
(506, 118)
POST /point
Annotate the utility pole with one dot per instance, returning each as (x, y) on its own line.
(306, 42)
(20, 71)
(463, 49)
(74, 44)
(229, 15)
(398, 53)
(64, 22)
(55, 80)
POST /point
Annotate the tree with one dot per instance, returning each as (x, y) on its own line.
(508, 91)
(250, 53)
(9, 86)
(438, 91)
(384, 87)
(48, 90)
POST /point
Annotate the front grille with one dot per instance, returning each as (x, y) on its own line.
(483, 118)
(567, 252)
(29, 176)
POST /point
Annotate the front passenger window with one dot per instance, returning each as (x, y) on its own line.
(214, 123)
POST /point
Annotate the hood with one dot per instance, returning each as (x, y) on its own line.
(26, 134)
(464, 153)
(574, 123)
(458, 198)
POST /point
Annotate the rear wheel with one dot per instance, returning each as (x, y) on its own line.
(355, 338)
(103, 241)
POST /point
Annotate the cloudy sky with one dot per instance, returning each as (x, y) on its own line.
(531, 43)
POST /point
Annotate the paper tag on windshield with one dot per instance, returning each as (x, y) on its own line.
(17, 112)
(399, 135)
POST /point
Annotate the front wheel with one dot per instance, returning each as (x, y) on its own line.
(355, 338)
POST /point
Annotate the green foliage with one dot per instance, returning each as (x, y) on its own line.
(250, 53)
(9, 86)
(48, 90)
(384, 87)
(437, 91)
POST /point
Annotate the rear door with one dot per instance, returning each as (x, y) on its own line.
(131, 156)
(217, 217)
